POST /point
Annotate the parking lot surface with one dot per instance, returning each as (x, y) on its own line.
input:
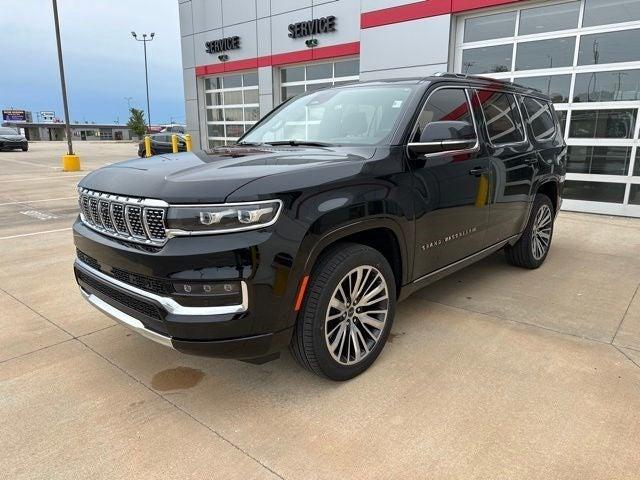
(494, 372)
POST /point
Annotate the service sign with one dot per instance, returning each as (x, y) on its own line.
(313, 27)
(222, 44)
(14, 115)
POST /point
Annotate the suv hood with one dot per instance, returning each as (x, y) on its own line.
(211, 176)
(12, 138)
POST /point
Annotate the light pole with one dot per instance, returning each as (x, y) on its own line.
(146, 74)
(70, 162)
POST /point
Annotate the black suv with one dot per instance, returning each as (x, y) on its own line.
(328, 211)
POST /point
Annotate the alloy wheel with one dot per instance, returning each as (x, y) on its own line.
(356, 315)
(541, 232)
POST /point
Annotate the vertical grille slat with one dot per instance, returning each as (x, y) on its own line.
(133, 219)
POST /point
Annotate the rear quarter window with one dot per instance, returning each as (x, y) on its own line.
(541, 118)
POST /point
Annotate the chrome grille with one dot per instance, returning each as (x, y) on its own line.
(134, 219)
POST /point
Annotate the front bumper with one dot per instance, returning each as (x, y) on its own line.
(12, 144)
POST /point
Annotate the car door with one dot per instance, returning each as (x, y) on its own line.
(512, 161)
(450, 188)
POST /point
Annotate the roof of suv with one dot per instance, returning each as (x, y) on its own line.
(470, 80)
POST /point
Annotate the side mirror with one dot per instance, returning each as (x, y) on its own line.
(444, 136)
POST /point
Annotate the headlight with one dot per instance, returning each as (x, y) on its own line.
(222, 218)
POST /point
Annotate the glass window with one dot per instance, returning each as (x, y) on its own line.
(602, 123)
(234, 130)
(562, 118)
(312, 87)
(490, 26)
(610, 47)
(501, 116)
(214, 114)
(216, 143)
(214, 99)
(319, 71)
(600, 160)
(541, 118)
(292, 74)
(292, 91)
(251, 96)
(487, 59)
(233, 98)
(549, 18)
(216, 130)
(601, 12)
(366, 115)
(445, 104)
(250, 79)
(594, 191)
(636, 167)
(634, 195)
(213, 83)
(557, 52)
(556, 86)
(252, 114)
(233, 114)
(607, 86)
(232, 81)
(347, 69)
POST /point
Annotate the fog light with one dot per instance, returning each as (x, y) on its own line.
(209, 289)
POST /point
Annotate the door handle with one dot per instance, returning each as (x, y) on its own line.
(477, 171)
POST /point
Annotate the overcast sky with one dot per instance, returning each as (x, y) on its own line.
(103, 64)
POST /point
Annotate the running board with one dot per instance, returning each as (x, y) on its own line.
(451, 268)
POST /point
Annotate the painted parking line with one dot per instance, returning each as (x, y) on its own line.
(35, 233)
(23, 162)
(43, 178)
(24, 202)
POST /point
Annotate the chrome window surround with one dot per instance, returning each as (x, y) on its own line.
(168, 303)
(143, 203)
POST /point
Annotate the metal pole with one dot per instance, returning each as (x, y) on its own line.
(62, 82)
(146, 79)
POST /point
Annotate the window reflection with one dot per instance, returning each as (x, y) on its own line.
(602, 123)
(601, 160)
(501, 116)
(594, 191)
(549, 18)
(487, 59)
(613, 86)
(490, 26)
(556, 86)
(557, 52)
(609, 47)
(601, 12)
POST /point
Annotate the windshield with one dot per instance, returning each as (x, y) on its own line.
(338, 116)
(7, 131)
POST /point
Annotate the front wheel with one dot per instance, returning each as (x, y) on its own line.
(531, 250)
(24, 149)
(347, 314)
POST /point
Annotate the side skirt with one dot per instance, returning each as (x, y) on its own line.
(454, 267)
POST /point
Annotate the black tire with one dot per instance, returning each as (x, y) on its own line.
(24, 149)
(523, 253)
(309, 345)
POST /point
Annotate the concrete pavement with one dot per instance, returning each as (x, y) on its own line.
(494, 372)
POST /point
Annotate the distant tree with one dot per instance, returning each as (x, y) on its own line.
(136, 122)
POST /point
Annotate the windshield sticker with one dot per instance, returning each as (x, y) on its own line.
(397, 104)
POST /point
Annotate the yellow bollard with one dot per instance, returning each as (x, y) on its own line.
(483, 192)
(187, 141)
(70, 163)
(174, 143)
(147, 146)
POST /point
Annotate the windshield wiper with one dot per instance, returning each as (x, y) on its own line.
(299, 143)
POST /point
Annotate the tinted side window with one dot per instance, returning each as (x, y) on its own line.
(502, 117)
(445, 104)
(541, 118)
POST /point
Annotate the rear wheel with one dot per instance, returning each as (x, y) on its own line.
(533, 246)
(347, 313)
(25, 148)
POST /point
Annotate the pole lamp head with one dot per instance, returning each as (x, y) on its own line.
(133, 34)
(152, 34)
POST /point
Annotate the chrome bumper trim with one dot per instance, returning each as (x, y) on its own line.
(169, 304)
(124, 319)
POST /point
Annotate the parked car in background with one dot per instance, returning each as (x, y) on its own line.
(12, 140)
(174, 129)
(161, 143)
(332, 208)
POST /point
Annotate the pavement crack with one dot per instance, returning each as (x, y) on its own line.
(37, 313)
(178, 407)
(627, 356)
(624, 316)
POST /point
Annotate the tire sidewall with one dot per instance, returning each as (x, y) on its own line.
(327, 363)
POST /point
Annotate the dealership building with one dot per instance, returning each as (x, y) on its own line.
(243, 57)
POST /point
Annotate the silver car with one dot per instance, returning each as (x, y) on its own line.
(10, 140)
